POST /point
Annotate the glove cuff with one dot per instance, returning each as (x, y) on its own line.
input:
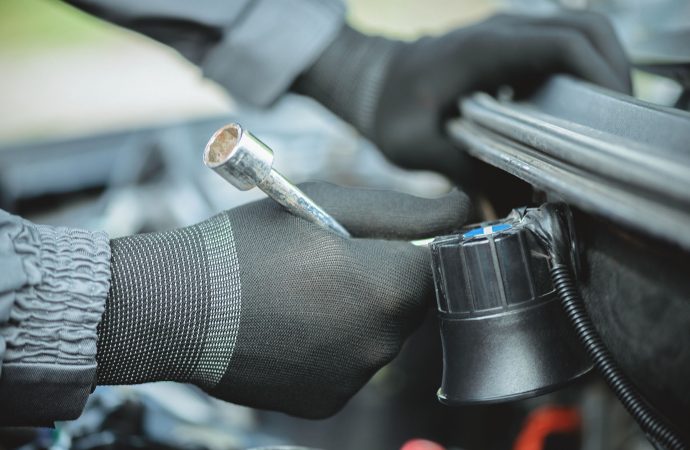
(348, 77)
(173, 310)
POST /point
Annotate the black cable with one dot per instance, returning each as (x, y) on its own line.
(651, 423)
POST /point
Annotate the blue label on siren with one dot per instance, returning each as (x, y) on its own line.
(489, 229)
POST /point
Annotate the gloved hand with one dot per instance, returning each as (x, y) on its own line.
(264, 309)
(400, 94)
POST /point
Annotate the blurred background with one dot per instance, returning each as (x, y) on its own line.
(104, 129)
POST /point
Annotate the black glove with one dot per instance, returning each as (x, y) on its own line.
(262, 308)
(400, 94)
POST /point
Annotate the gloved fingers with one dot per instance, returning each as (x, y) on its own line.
(556, 49)
(570, 38)
(447, 158)
(383, 214)
(437, 153)
(602, 36)
(581, 58)
(319, 313)
(401, 268)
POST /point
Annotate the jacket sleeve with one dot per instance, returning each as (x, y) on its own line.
(53, 286)
(254, 48)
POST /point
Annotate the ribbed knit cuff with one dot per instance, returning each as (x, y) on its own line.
(348, 77)
(174, 306)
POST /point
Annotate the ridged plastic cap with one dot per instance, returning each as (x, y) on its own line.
(504, 334)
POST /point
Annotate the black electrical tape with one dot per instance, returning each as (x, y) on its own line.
(551, 226)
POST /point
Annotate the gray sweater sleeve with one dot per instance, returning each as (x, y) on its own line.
(53, 289)
(254, 48)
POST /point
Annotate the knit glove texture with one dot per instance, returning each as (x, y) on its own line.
(400, 94)
(261, 308)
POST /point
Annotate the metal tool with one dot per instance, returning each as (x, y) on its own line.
(246, 162)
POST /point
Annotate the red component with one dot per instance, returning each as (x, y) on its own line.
(421, 444)
(545, 421)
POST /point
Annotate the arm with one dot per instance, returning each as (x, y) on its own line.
(255, 306)
(261, 308)
(400, 94)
